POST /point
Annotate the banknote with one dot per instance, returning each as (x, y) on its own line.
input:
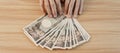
(56, 33)
(39, 27)
(49, 35)
(81, 34)
(60, 42)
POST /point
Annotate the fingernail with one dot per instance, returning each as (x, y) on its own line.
(50, 16)
(75, 16)
(55, 15)
(61, 13)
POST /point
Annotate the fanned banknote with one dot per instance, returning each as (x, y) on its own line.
(56, 33)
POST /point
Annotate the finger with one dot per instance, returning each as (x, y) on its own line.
(59, 8)
(70, 9)
(77, 5)
(53, 8)
(66, 6)
(62, 0)
(47, 7)
(42, 6)
(81, 7)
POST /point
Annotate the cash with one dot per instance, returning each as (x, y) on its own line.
(56, 33)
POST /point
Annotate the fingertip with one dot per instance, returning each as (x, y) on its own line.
(55, 15)
(68, 16)
(50, 16)
(65, 15)
(75, 16)
(61, 13)
(80, 13)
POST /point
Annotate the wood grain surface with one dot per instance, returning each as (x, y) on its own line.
(101, 18)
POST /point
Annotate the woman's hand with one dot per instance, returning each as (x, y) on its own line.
(73, 8)
(51, 7)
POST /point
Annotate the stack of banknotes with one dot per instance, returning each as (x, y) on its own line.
(56, 33)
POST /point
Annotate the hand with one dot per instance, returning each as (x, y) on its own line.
(51, 7)
(73, 8)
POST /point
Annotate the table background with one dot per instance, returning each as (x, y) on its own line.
(101, 18)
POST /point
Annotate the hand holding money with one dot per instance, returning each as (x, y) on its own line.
(56, 33)
(73, 8)
(51, 7)
(62, 32)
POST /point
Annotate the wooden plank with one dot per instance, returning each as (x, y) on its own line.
(101, 18)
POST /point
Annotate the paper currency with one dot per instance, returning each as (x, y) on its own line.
(39, 27)
(56, 33)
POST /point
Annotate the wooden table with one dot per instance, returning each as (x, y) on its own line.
(101, 18)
